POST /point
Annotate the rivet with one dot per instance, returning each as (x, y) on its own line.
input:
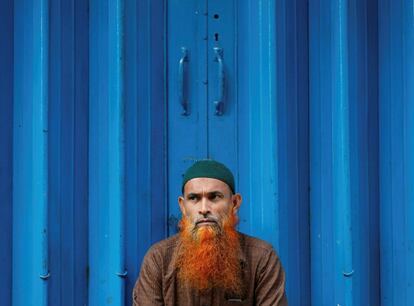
(45, 277)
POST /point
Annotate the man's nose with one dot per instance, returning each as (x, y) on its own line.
(204, 207)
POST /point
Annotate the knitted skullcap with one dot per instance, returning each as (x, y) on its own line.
(211, 169)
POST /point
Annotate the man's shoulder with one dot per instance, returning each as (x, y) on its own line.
(258, 253)
(163, 250)
(255, 242)
(165, 245)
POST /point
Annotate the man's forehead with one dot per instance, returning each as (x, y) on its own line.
(205, 184)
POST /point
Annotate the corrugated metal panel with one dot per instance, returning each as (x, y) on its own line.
(145, 132)
(273, 133)
(68, 153)
(106, 153)
(93, 140)
(30, 152)
(69, 59)
(344, 153)
(126, 143)
(6, 149)
(396, 113)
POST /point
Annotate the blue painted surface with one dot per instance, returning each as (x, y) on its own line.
(187, 134)
(6, 149)
(145, 143)
(93, 141)
(396, 113)
(273, 133)
(107, 154)
(126, 144)
(344, 153)
(341, 156)
(222, 128)
(68, 153)
(30, 153)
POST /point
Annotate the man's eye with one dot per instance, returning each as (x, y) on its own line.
(192, 198)
(215, 196)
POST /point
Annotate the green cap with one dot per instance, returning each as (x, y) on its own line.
(211, 169)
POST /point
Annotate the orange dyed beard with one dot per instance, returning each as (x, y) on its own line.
(209, 257)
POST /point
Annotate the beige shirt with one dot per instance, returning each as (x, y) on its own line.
(262, 272)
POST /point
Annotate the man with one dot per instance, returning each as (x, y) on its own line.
(209, 262)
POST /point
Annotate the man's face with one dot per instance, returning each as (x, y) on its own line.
(209, 255)
(206, 201)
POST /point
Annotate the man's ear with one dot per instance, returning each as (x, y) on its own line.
(236, 200)
(181, 204)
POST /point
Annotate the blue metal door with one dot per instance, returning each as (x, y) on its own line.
(201, 89)
(237, 92)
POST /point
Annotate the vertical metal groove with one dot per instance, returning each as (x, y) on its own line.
(148, 102)
(117, 152)
(272, 113)
(40, 145)
(259, 113)
(342, 160)
(120, 9)
(6, 149)
(42, 133)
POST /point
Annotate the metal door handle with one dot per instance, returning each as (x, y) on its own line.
(219, 103)
(181, 80)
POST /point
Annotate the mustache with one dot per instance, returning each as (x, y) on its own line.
(215, 224)
(206, 219)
